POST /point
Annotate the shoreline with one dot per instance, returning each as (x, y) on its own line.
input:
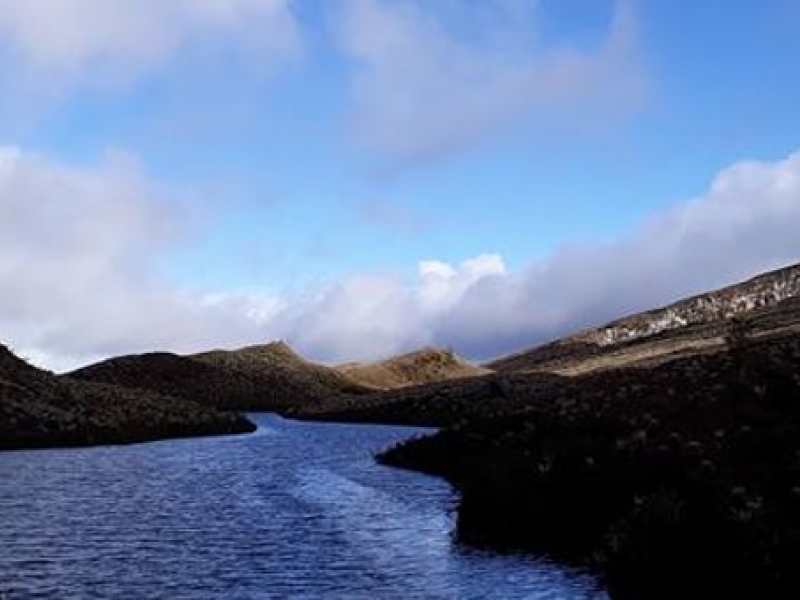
(679, 481)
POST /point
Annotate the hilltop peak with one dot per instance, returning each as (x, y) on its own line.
(424, 365)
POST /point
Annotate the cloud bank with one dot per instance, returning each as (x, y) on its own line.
(79, 275)
(745, 223)
(79, 270)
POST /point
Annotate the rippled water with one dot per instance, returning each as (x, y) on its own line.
(296, 510)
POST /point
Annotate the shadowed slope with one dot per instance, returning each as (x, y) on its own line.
(667, 458)
(258, 378)
(177, 376)
(678, 481)
(38, 409)
(287, 379)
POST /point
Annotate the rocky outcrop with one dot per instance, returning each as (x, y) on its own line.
(680, 329)
(38, 409)
(765, 290)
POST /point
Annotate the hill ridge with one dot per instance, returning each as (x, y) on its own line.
(700, 319)
(424, 365)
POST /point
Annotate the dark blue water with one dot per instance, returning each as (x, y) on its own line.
(296, 510)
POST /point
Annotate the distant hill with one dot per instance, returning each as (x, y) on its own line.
(423, 366)
(697, 324)
(38, 409)
(286, 378)
(257, 378)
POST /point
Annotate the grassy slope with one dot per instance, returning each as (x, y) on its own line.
(415, 368)
(287, 379)
(511, 380)
(264, 378)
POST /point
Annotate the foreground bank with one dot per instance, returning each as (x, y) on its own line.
(677, 481)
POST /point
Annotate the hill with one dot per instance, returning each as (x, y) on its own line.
(257, 378)
(286, 378)
(686, 327)
(415, 368)
(38, 409)
(177, 376)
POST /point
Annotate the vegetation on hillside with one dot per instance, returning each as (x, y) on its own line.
(37, 409)
(675, 482)
(257, 378)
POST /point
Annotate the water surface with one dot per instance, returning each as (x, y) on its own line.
(297, 510)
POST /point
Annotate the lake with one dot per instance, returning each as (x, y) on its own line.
(296, 510)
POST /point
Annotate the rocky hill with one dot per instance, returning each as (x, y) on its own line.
(38, 409)
(680, 329)
(271, 377)
(415, 368)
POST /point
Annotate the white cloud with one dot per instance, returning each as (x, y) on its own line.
(441, 285)
(369, 316)
(69, 42)
(423, 87)
(79, 254)
(79, 273)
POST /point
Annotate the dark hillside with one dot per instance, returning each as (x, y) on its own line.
(678, 481)
(37, 409)
(257, 378)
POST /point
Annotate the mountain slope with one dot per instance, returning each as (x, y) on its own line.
(415, 368)
(683, 328)
(38, 409)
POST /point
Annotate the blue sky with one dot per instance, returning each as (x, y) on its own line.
(363, 176)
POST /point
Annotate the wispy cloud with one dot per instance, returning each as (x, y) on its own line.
(423, 89)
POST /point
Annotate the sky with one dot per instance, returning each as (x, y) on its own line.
(362, 178)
